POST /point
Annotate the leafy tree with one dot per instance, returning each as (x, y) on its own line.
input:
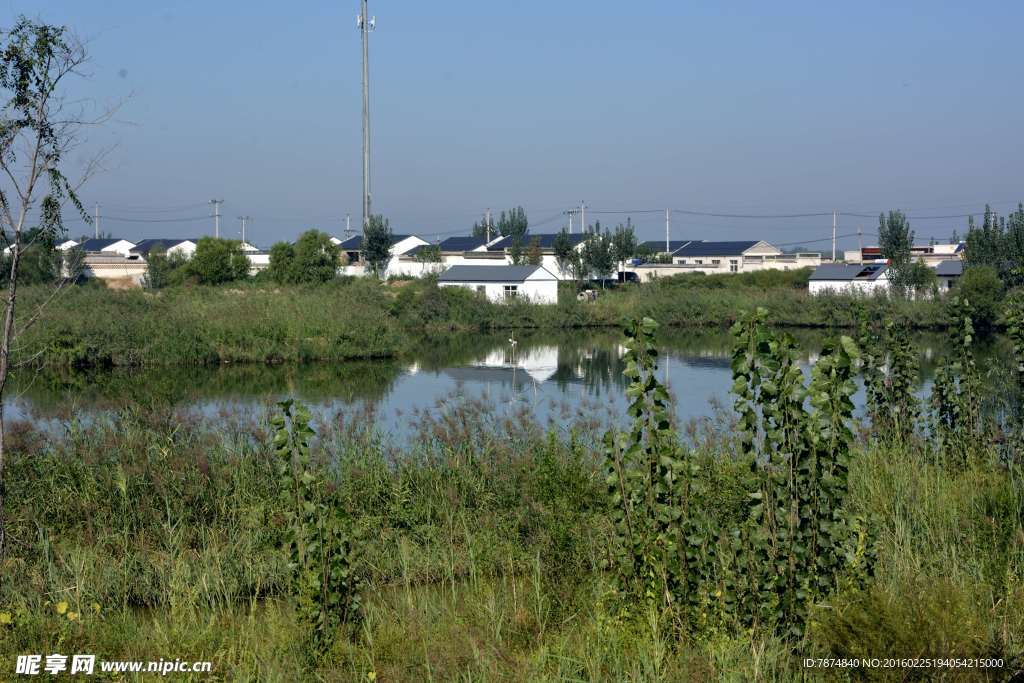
(38, 264)
(985, 242)
(919, 277)
(566, 256)
(316, 257)
(163, 270)
(513, 223)
(982, 288)
(74, 264)
(998, 243)
(515, 252)
(376, 248)
(429, 254)
(896, 238)
(534, 256)
(598, 259)
(217, 261)
(282, 263)
(624, 243)
(38, 131)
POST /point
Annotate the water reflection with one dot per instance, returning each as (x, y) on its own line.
(556, 376)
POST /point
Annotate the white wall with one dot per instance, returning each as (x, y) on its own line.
(868, 287)
(121, 247)
(536, 291)
(412, 268)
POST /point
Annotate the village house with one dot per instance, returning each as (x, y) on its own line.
(930, 254)
(546, 243)
(352, 248)
(949, 273)
(500, 283)
(107, 245)
(848, 278)
(738, 256)
(170, 246)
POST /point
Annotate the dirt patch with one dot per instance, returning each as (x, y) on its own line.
(123, 283)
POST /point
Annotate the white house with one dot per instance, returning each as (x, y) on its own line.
(949, 273)
(545, 242)
(170, 246)
(499, 283)
(353, 250)
(847, 278)
(739, 256)
(931, 254)
(109, 245)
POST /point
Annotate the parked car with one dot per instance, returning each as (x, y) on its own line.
(629, 277)
(604, 283)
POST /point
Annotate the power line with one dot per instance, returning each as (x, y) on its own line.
(687, 212)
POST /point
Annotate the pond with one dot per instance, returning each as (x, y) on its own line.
(570, 377)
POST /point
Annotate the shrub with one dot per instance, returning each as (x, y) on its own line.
(217, 261)
(982, 288)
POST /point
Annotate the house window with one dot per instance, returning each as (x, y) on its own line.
(716, 261)
(511, 291)
(699, 261)
(734, 265)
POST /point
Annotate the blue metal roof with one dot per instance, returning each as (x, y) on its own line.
(659, 245)
(463, 243)
(544, 240)
(147, 245)
(701, 248)
(355, 243)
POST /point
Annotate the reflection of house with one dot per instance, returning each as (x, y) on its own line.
(500, 283)
(949, 273)
(845, 278)
(744, 256)
(539, 362)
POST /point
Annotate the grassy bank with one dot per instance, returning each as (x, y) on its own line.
(360, 318)
(482, 549)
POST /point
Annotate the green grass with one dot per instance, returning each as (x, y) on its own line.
(358, 318)
(482, 555)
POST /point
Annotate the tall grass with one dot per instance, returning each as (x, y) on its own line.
(483, 544)
(362, 318)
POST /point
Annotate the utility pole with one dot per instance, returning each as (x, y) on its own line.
(668, 229)
(96, 223)
(860, 243)
(348, 225)
(570, 213)
(834, 221)
(216, 216)
(583, 217)
(366, 24)
(244, 219)
(487, 222)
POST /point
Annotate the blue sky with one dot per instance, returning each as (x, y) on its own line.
(744, 108)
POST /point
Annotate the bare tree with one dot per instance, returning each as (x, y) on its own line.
(39, 126)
